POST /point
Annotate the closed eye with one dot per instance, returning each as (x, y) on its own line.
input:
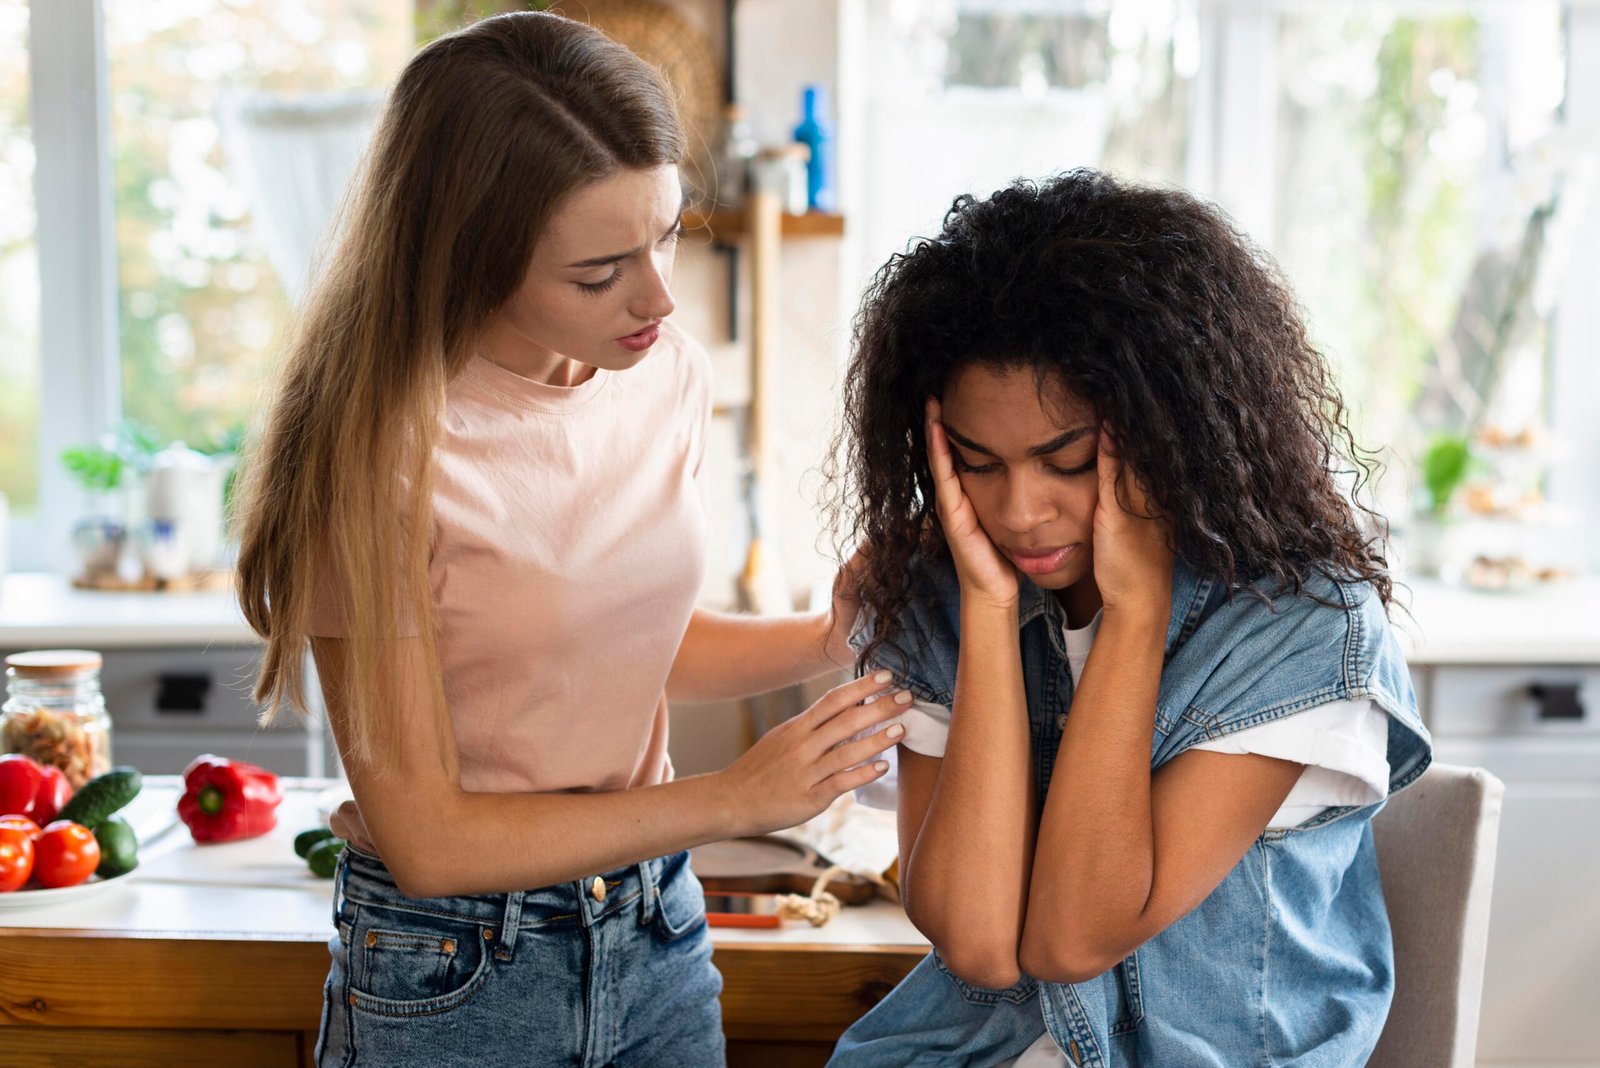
(602, 286)
(1071, 472)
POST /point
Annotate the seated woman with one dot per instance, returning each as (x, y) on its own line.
(1115, 555)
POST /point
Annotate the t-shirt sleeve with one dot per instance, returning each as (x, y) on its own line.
(927, 728)
(1344, 746)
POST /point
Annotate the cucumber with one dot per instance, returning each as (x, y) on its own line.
(102, 795)
(306, 839)
(119, 848)
(324, 857)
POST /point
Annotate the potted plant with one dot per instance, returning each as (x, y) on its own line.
(1445, 465)
(100, 536)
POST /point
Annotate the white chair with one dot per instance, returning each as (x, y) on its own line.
(1436, 848)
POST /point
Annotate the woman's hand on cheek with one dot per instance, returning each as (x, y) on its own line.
(1132, 558)
(985, 574)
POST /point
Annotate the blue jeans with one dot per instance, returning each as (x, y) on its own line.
(532, 978)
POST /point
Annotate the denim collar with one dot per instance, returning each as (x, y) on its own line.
(1191, 590)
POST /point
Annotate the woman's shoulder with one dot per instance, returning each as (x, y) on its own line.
(1329, 633)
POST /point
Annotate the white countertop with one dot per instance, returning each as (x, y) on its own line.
(1553, 623)
(259, 889)
(39, 611)
(1556, 623)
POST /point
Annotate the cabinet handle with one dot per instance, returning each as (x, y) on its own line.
(182, 694)
(1557, 700)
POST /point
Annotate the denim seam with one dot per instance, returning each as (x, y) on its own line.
(1135, 994)
(1089, 1055)
(476, 921)
(1266, 947)
(348, 1010)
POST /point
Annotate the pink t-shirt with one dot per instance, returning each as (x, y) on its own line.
(568, 551)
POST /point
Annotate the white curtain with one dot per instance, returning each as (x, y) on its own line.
(293, 156)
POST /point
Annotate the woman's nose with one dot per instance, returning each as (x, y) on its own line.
(1025, 503)
(654, 298)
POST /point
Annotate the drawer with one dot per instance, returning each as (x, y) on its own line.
(161, 752)
(181, 689)
(1464, 701)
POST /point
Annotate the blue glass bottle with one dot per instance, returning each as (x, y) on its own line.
(816, 131)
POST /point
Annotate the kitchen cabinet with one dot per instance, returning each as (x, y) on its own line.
(1511, 683)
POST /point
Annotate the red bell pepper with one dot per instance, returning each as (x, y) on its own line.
(226, 800)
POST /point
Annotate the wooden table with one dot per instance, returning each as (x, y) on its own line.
(218, 956)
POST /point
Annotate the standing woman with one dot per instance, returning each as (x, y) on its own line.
(1158, 700)
(475, 496)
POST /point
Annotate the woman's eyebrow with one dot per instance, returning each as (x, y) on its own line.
(1060, 441)
(601, 261)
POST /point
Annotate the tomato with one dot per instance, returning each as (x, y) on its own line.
(16, 857)
(20, 779)
(65, 855)
(54, 792)
(21, 823)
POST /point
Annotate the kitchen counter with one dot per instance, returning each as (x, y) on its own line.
(217, 954)
(39, 611)
(1548, 624)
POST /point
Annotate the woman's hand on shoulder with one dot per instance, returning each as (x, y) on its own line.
(985, 574)
(802, 765)
(1132, 546)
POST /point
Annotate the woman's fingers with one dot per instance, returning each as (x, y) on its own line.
(853, 721)
(847, 696)
(859, 751)
(947, 487)
(854, 778)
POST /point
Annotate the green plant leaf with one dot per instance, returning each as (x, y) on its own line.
(96, 469)
(1444, 466)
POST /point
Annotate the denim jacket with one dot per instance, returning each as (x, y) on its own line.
(1289, 958)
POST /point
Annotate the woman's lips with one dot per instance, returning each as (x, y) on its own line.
(1042, 562)
(642, 340)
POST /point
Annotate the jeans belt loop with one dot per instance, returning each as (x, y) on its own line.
(507, 945)
(648, 894)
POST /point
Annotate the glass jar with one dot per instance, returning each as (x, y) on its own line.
(55, 712)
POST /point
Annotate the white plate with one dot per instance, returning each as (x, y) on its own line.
(64, 895)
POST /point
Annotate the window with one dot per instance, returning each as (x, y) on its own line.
(1407, 164)
(165, 311)
(200, 309)
(19, 273)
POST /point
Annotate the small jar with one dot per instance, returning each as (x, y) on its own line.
(55, 712)
(781, 169)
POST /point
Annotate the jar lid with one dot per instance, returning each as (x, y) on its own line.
(52, 663)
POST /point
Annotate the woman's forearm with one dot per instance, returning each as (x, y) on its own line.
(456, 843)
(725, 656)
(1094, 860)
(967, 878)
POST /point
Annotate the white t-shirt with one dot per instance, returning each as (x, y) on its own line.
(1343, 745)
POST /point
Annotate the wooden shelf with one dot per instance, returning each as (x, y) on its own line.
(727, 226)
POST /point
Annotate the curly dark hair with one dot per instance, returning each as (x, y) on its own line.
(1151, 307)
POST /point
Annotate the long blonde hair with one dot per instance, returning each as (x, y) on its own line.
(485, 132)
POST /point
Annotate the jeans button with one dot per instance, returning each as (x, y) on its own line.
(597, 889)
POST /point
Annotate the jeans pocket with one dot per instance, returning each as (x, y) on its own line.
(409, 964)
(680, 900)
(1018, 992)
